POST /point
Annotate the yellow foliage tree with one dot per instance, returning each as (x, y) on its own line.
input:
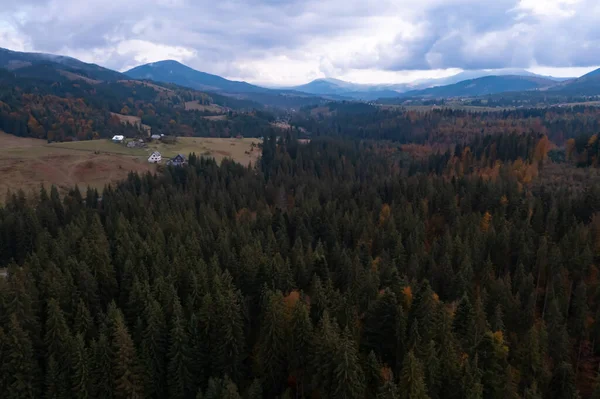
(485, 222)
(384, 215)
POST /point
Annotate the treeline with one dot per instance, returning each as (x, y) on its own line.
(445, 126)
(325, 272)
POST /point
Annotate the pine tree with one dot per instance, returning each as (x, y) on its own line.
(432, 369)
(81, 378)
(372, 371)
(464, 323)
(230, 390)
(255, 390)
(20, 365)
(562, 384)
(388, 390)
(53, 379)
(379, 332)
(154, 349)
(424, 310)
(301, 344)
(348, 377)
(58, 344)
(102, 376)
(127, 380)
(532, 392)
(84, 323)
(412, 380)
(326, 341)
(178, 373)
(497, 323)
(229, 330)
(273, 348)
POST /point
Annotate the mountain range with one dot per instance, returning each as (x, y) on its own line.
(464, 84)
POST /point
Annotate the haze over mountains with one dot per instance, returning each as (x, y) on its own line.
(464, 84)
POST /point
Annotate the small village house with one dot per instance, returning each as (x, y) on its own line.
(118, 138)
(178, 160)
(155, 157)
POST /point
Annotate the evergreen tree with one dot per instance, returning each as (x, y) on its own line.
(102, 376)
(178, 373)
(301, 344)
(379, 331)
(348, 377)
(412, 380)
(81, 378)
(464, 323)
(20, 365)
(127, 380)
(273, 348)
(562, 384)
(154, 349)
(388, 390)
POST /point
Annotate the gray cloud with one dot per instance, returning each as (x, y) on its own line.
(237, 38)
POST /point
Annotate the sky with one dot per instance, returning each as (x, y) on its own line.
(288, 42)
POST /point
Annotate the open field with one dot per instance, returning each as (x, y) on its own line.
(132, 120)
(28, 163)
(196, 106)
(218, 148)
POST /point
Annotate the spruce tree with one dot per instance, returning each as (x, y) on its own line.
(127, 379)
(178, 372)
(273, 341)
(464, 323)
(229, 330)
(372, 371)
(21, 366)
(154, 349)
(412, 380)
(380, 324)
(348, 376)
(301, 344)
(81, 378)
(102, 366)
(562, 384)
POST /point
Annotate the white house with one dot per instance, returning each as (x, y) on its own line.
(118, 138)
(155, 157)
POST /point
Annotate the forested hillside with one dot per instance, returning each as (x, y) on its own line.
(336, 269)
(44, 102)
(445, 125)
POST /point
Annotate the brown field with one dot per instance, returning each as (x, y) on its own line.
(196, 106)
(74, 76)
(28, 163)
(281, 125)
(152, 85)
(216, 117)
(132, 120)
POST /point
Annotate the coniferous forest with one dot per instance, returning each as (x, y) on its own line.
(333, 269)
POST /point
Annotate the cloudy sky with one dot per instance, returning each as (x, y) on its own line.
(283, 42)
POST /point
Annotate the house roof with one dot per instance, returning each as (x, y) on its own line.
(118, 137)
(155, 153)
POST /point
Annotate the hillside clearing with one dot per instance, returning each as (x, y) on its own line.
(132, 120)
(28, 163)
(196, 106)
